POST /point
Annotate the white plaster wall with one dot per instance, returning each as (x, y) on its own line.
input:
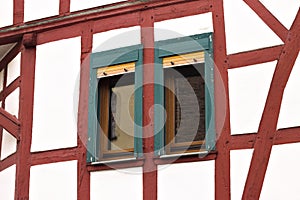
(56, 95)
(9, 145)
(37, 9)
(117, 184)
(244, 29)
(12, 103)
(239, 167)
(13, 69)
(290, 107)
(54, 181)
(186, 181)
(248, 90)
(116, 38)
(80, 5)
(190, 25)
(283, 174)
(7, 183)
(6, 12)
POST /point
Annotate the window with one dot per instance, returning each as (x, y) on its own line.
(184, 98)
(115, 104)
(184, 87)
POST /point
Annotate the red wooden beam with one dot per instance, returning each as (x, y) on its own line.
(222, 163)
(83, 175)
(267, 127)
(9, 89)
(287, 135)
(51, 156)
(254, 57)
(268, 18)
(178, 10)
(10, 56)
(8, 162)
(18, 12)
(149, 168)
(110, 11)
(10, 123)
(282, 136)
(26, 116)
(64, 6)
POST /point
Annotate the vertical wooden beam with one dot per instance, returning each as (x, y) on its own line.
(83, 181)
(150, 168)
(25, 115)
(64, 7)
(222, 163)
(268, 124)
(18, 12)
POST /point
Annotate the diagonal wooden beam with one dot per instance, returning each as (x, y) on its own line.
(10, 123)
(254, 57)
(267, 128)
(9, 89)
(8, 162)
(270, 20)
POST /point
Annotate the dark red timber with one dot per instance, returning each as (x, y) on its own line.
(267, 128)
(150, 168)
(25, 115)
(145, 13)
(222, 162)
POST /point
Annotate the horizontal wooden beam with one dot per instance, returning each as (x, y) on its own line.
(111, 12)
(282, 136)
(10, 123)
(52, 156)
(253, 57)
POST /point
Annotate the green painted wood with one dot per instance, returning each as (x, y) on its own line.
(210, 138)
(115, 56)
(103, 59)
(92, 116)
(159, 116)
(183, 45)
(138, 105)
(194, 43)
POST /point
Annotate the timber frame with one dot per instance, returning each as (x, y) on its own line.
(144, 13)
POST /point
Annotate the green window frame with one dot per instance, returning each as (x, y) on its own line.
(180, 46)
(163, 49)
(106, 59)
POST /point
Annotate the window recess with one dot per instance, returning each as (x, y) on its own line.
(184, 87)
(115, 105)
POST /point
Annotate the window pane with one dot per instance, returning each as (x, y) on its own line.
(185, 103)
(185, 112)
(121, 117)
